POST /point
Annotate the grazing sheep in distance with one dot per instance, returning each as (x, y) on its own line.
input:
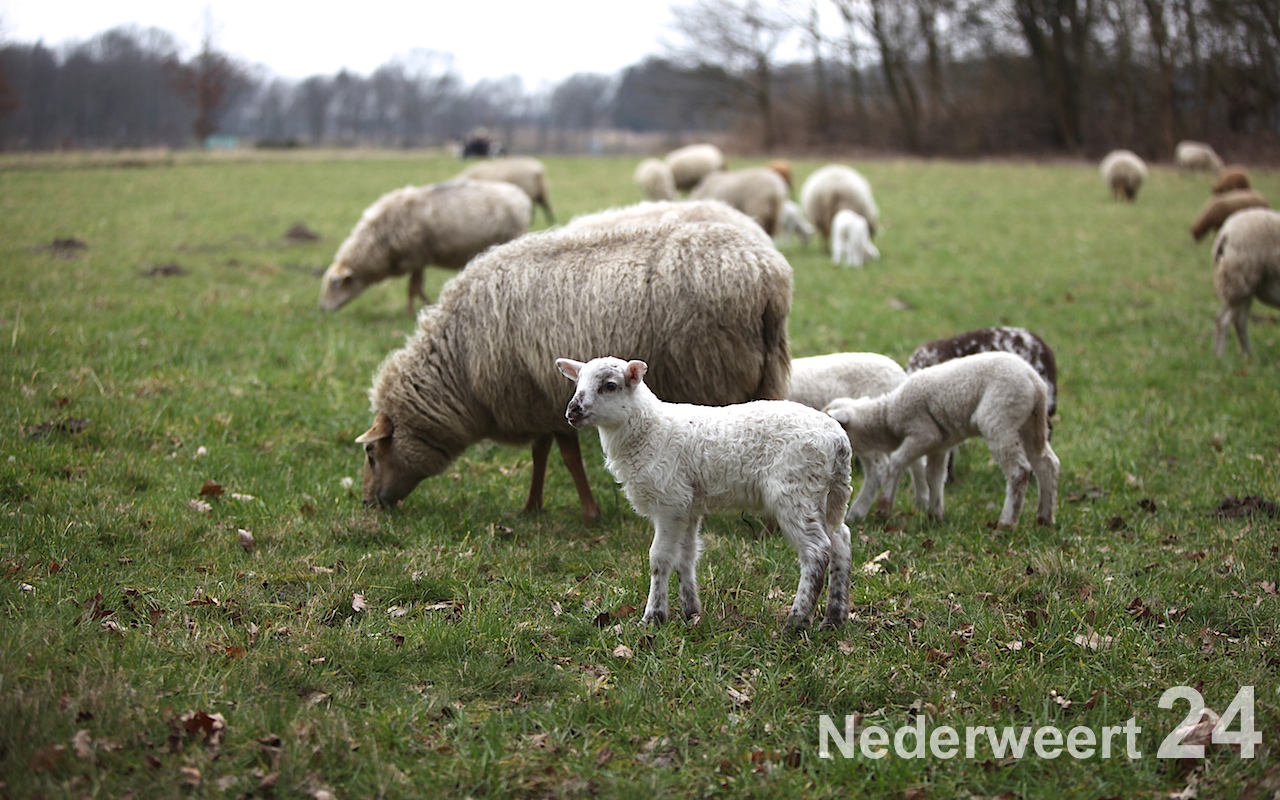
(835, 187)
(851, 239)
(709, 309)
(1231, 179)
(793, 226)
(816, 381)
(677, 462)
(1219, 207)
(1125, 172)
(783, 168)
(1196, 156)
(655, 180)
(995, 395)
(1246, 265)
(527, 173)
(692, 163)
(406, 230)
(758, 192)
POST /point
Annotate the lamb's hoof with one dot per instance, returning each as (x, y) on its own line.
(1047, 522)
(830, 624)
(653, 618)
(797, 625)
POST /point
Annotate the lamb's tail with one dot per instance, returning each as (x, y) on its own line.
(1036, 432)
(840, 489)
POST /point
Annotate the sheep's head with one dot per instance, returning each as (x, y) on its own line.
(604, 386)
(846, 410)
(395, 462)
(339, 286)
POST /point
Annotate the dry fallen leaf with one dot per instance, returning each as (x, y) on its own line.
(873, 566)
(737, 699)
(358, 603)
(211, 489)
(246, 540)
(82, 744)
(1093, 641)
(200, 506)
(190, 775)
(622, 651)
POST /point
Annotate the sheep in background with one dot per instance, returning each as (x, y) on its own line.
(758, 192)
(692, 163)
(1196, 156)
(851, 240)
(835, 187)
(409, 229)
(1219, 207)
(655, 180)
(792, 226)
(994, 395)
(816, 381)
(527, 173)
(708, 309)
(677, 462)
(783, 168)
(1230, 179)
(1124, 172)
(1246, 265)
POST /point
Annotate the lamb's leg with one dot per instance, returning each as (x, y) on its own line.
(807, 535)
(1240, 319)
(920, 482)
(871, 480)
(838, 579)
(866, 460)
(1012, 458)
(935, 471)
(664, 554)
(687, 571)
(541, 449)
(1046, 468)
(415, 289)
(571, 452)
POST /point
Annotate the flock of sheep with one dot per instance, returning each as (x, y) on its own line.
(1246, 250)
(696, 294)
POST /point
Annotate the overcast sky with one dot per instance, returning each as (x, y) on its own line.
(542, 42)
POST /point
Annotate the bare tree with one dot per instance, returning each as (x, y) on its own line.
(1057, 33)
(731, 45)
(209, 82)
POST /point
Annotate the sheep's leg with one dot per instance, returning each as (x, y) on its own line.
(415, 289)
(882, 506)
(838, 579)
(687, 570)
(1240, 319)
(1046, 468)
(541, 449)
(935, 472)
(571, 453)
(664, 554)
(1012, 458)
(871, 480)
(920, 485)
(546, 211)
(807, 535)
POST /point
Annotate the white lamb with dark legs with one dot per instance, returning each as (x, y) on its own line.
(851, 240)
(818, 380)
(676, 462)
(994, 395)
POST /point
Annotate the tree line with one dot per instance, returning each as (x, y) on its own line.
(928, 77)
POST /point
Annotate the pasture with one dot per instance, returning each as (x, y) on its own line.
(169, 383)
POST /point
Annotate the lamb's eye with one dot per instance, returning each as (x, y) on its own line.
(610, 386)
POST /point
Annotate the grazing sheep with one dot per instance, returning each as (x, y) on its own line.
(816, 381)
(676, 462)
(835, 187)
(1231, 179)
(1220, 206)
(758, 192)
(1246, 265)
(527, 173)
(792, 226)
(692, 163)
(996, 395)
(851, 239)
(1125, 172)
(707, 304)
(1019, 341)
(783, 168)
(1196, 156)
(655, 180)
(406, 230)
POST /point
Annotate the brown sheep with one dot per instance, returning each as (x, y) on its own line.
(1220, 206)
(1231, 179)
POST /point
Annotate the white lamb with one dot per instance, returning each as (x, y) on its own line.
(792, 225)
(996, 395)
(816, 381)
(851, 239)
(676, 462)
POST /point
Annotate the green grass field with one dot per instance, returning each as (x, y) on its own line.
(454, 646)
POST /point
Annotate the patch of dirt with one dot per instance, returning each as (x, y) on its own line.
(301, 233)
(1232, 507)
(67, 425)
(171, 270)
(68, 247)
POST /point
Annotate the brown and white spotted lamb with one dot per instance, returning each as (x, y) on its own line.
(1019, 341)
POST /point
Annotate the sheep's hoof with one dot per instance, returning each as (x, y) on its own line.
(831, 624)
(1045, 521)
(653, 618)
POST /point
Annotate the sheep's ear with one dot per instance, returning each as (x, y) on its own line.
(634, 372)
(569, 368)
(382, 429)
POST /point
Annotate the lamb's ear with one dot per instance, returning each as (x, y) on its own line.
(569, 368)
(382, 429)
(634, 372)
(839, 413)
